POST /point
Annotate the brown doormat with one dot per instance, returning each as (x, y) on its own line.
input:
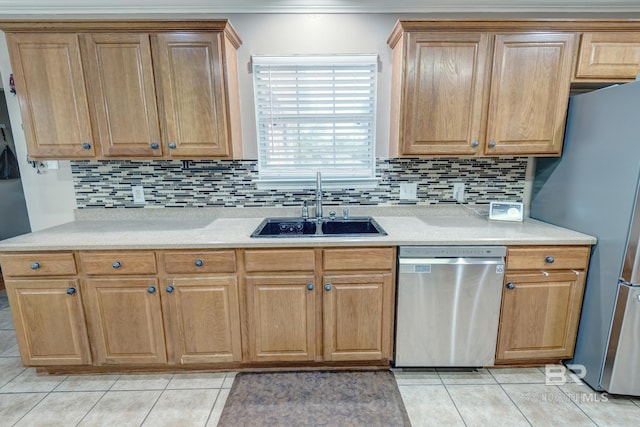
(318, 398)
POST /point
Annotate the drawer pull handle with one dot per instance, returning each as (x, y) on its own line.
(510, 285)
(71, 291)
(172, 145)
(492, 144)
(199, 263)
(170, 289)
(475, 143)
(86, 146)
(327, 287)
(549, 259)
(35, 265)
(151, 289)
(116, 264)
(155, 145)
(310, 286)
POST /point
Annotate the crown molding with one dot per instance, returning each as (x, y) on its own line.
(126, 7)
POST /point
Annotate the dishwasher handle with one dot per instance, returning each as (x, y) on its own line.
(451, 261)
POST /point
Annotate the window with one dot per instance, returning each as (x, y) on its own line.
(315, 113)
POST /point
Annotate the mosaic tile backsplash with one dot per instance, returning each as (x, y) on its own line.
(231, 183)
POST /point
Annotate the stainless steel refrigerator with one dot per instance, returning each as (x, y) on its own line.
(593, 188)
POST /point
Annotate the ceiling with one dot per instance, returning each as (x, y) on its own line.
(65, 7)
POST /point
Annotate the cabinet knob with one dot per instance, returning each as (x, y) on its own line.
(116, 264)
(310, 286)
(151, 289)
(549, 259)
(35, 265)
(492, 144)
(86, 146)
(475, 143)
(71, 291)
(172, 145)
(510, 285)
(155, 145)
(327, 287)
(199, 263)
(169, 289)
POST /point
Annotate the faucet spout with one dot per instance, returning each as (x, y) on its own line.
(319, 195)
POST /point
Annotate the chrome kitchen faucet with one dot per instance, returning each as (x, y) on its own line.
(319, 195)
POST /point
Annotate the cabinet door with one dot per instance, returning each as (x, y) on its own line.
(609, 56)
(126, 321)
(51, 90)
(49, 321)
(203, 317)
(443, 93)
(281, 317)
(357, 316)
(120, 76)
(191, 81)
(529, 93)
(540, 314)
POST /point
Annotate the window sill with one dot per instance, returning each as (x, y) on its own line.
(310, 184)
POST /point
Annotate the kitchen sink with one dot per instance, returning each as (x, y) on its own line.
(351, 226)
(325, 227)
(285, 227)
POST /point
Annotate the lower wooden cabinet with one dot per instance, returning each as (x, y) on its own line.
(125, 319)
(202, 319)
(357, 316)
(541, 302)
(49, 321)
(281, 317)
(340, 308)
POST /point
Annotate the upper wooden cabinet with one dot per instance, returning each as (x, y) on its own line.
(476, 93)
(608, 56)
(132, 89)
(51, 89)
(123, 96)
(529, 93)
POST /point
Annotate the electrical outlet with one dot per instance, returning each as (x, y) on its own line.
(52, 164)
(408, 191)
(138, 194)
(458, 192)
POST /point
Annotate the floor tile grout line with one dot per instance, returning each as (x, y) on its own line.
(578, 406)
(213, 407)
(511, 399)
(90, 409)
(455, 405)
(32, 408)
(157, 399)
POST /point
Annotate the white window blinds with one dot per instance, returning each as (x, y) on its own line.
(315, 113)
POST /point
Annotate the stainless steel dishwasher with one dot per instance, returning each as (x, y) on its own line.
(448, 305)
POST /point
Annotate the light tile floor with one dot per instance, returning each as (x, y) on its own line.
(496, 397)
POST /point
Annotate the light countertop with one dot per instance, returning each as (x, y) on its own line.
(231, 228)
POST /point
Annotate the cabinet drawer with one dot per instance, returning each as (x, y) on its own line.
(280, 260)
(200, 262)
(359, 259)
(39, 264)
(548, 257)
(118, 262)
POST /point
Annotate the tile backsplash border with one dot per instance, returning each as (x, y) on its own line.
(231, 183)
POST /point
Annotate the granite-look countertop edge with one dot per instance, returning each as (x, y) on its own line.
(203, 233)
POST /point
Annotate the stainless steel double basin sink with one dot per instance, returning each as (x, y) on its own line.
(320, 227)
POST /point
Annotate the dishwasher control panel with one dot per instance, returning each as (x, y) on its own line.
(452, 251)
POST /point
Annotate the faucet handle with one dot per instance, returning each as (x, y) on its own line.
(345, 213)
(305, 210)
(332, 214)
